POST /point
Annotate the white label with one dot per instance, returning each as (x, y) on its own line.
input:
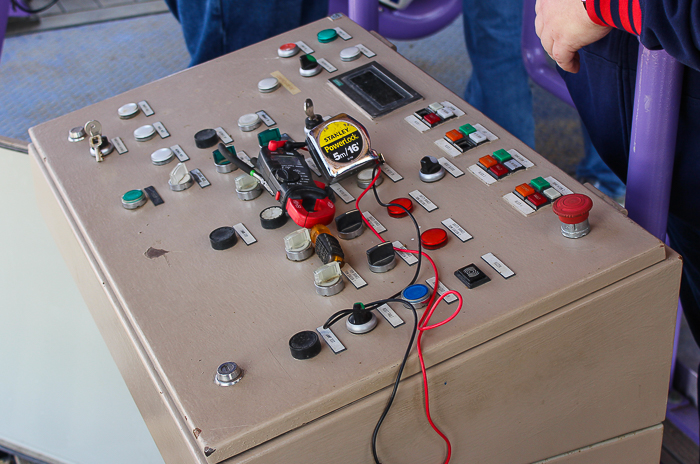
(518, 204)
(223, 135)
(366, 51)
(244, 234)
(374, 222)
(244, 157)
(353, 276)
(390, 316)
(449, 167)
(326, 65)
(391, 173)
(558, 186)
(456, 229)
(200, 178)
(312, 165)
(447, 148)
(119, 145)
(417, 123)
(342, 34)
(331, 340)
(409, 258)
(481, 174)
(498, 265)
(454, 109)
(342, 193)
(269, 122)
(335, 16)
(305, 48)
(146, 108)
(520, 158)
(162, 131)
(485, 132)
(180, 153)
(451, 298)
(423, 201)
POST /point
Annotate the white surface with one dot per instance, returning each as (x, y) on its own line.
(61, 395)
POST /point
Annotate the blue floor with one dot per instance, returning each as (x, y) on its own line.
(49, 74)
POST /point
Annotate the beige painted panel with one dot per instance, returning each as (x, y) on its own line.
(592, 370)
(641, 447)
(194, 308)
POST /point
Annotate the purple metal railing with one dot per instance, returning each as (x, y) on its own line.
(421, 19)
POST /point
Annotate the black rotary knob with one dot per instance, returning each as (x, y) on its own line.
(430, 169)
(305, 345)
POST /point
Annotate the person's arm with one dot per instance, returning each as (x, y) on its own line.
(564, 26)
(673, 25)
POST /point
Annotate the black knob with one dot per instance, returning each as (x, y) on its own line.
(382, 257)
(222, 238)
(349, 224)
(359, 315)
(305, 345)
(429, 165)
(308, 62)
(206, 138)
(287, 176)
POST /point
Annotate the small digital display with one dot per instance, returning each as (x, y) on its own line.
(374, 89)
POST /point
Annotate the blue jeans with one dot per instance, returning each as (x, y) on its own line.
(593, 169)
(499, 84)
(215, 27)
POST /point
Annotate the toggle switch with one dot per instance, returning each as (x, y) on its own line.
(350, 224)
(180, 178)
(328, 279)
(309, 66)
(360, 321)
(381, 258)
(573, 213)
(247, 188)
(430, 169)
(298, 245)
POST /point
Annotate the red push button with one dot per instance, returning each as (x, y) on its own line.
(572, 209)
(396, 211)
(432, 119)
(498, 171)
(537, 200)
(432, 239)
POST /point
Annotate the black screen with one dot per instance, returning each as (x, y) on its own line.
(377, 89)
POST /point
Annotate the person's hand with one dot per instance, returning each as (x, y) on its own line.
(564, 27)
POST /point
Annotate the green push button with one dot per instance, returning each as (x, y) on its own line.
(327, 35)
(467, 129)
(267, 135)
(133, 199)
(539, 183)
(220, 160)
(502, 156)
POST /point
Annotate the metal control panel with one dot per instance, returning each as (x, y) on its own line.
(174, 310)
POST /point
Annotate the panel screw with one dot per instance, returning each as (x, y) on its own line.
(228, 374)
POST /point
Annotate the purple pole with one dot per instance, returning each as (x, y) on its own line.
(365, 13)
(653, 142)
(535, 59)
(4, 14)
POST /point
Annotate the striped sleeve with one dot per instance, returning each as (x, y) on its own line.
(621, 14)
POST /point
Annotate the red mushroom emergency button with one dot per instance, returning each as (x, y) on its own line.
(573, 213)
